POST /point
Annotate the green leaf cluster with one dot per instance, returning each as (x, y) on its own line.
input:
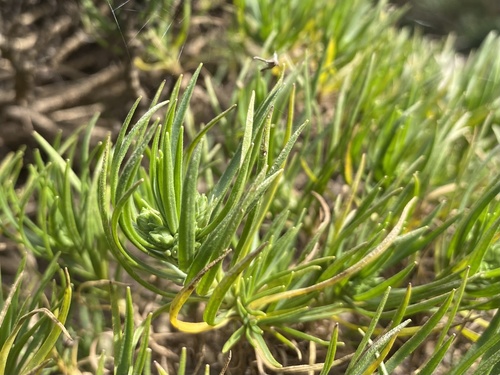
(356, 182)
(29, 330)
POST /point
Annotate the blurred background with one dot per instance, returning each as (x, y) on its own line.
(469, 20)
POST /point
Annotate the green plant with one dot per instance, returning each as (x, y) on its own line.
(29, 330)
(189, 243)
(355, 183)
(63, 222)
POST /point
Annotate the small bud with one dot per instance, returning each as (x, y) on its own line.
(149, 220)
(162, 237)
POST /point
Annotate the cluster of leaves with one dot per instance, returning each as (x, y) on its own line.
(63, 222)
(291, 221)
(30, 330)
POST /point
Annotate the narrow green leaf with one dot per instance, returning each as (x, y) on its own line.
(6, 304)
(355, 366)
(187, 227)
(280, 160)
(265, 106)
(174, 98)
(339, 115)
(477, 255)
(392, 281)
(167, 187)
(126, 123)
(121, 149)
(178, 171)
(124, 359)
(234, 197)
(233, 339)
(182, 109)
(290, 117)
(148, 361)
(85, 144)
(486, 367)
(339, 223)
(225, 180)
(488, 340)
(361, 216)
(330, 354)
(455, 308)
(288, 343)
(247, 135)
(197, 139)
(49, 343)
(466, 225)
(115, 320)
(182, 362)
(227, 281)
(303, 336)
(129, 171)
(424, 240)
(378, 362)
(100, 364)
(58, 160)
(263, 138)
(260, 346)
(370, 354)
(296, 314)
(169, 117)
(437, 357)
(157, 94)
(66, 207)
(409, 346)
(103, 192)
(401, 311)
